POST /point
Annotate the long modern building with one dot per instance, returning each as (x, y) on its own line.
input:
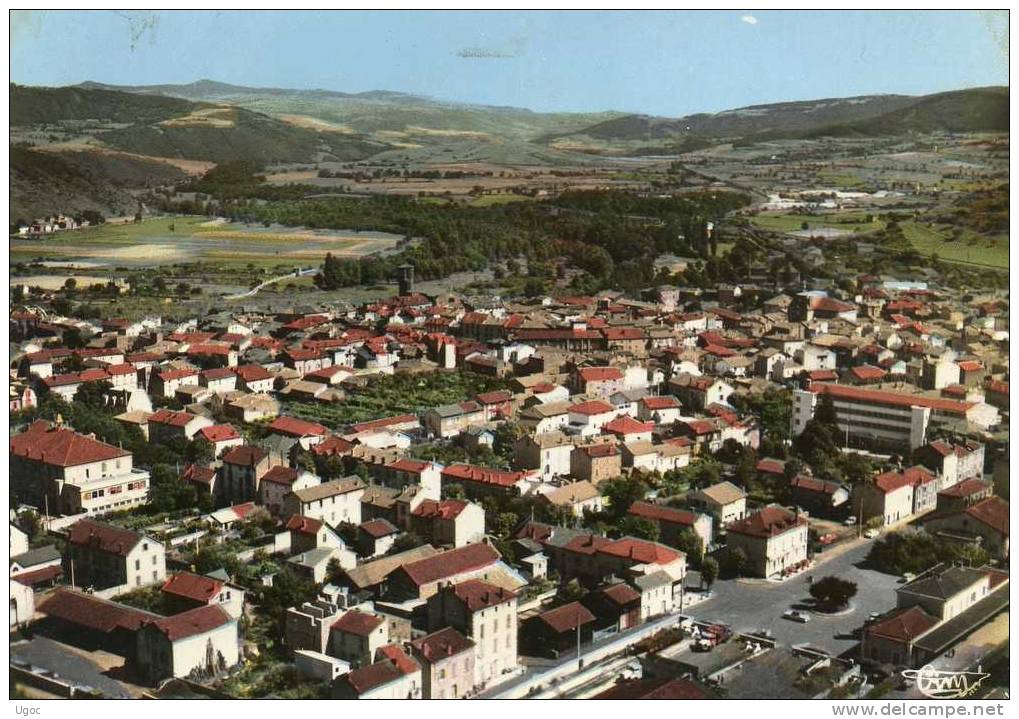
(885, 418)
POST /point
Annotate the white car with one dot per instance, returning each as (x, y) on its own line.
(850, 521)
(796, 616)
(871, 533)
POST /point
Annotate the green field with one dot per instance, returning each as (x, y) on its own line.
(501, 199)
(971, 248)
(177, 240)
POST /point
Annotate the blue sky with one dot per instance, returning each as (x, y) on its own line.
(665, 63)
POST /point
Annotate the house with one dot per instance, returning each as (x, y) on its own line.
(773, 539)
(187, 590)
(587, 418)
(479, 482)
(557, 632)
(662, 410)
(165, 383)
(819, 497)
(495, 405)
(372, 577)
(656, 457)
(448, 522)
(36, 568)
(548, 453)
(221, 436)
(251, 408)
(278, 482)
(356, 636)
(204, 639)
(254, 378)
(307, 533)
(615, 606)
(376, 536)
(952, 463)
(724, 501)
(404, 472)
(90, 622)
(697, 392)
(964, 494)
(487, 614)
(393, 676)
(335, 502)
(984, 523)
(313, 564)
(112, 559)
(56, 469)
(598, 382)
(545, 418)
(166, 426)
(447, 660)
(422, 578)
(895, 496)
(242, 470)
(627, 429)
(672, 521)
(576, 497)
(308, 434)
(202, 478)
(218, 380)
(595, 463)
(449, 420)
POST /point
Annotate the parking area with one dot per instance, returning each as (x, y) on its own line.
(749, 606)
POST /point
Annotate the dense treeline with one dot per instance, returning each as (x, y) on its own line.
(612, 235)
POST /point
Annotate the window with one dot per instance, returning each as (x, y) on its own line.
(145, 546)
(154, 558)
(137, 564)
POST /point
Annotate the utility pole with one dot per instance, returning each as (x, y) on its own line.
(72, 574)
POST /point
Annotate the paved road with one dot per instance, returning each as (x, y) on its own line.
(759, 605)
(40, 652)
(254, 290)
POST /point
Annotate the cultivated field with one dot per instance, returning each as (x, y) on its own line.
(172, 240)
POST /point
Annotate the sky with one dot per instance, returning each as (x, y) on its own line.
(668, 63)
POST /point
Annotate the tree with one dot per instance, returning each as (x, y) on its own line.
(688, 542)
(534, 287)
(92, 394)
(709, 571)
(638, 527)
(201, 451)
(70, 283)
(832, 592)
(453, 491)
(736, 561)
(621, 492)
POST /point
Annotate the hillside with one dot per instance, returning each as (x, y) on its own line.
(389, 116)
(976, 110)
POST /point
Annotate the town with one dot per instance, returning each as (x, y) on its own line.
(571, 496)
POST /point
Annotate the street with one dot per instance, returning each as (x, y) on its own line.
(754, 605)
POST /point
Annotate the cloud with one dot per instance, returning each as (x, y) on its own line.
(749, 19)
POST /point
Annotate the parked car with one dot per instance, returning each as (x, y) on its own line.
(796, 616)
(850, 520)
(907, 578)
(871, 533)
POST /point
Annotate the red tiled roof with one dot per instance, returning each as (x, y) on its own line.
(600, 374)
(966, 487)
(904, 625)
(640, 551)
(191, 623)
(304, 525)
(332, 445)
(602, 449)
(378, 528)
(625, 424)
(384, 422)
(91, 612)
(970, 366)
(297, 427)
(477, 594)
(873, 396)
(281, 475)
(621, 594)
(414, 466)
(449, 564)
(567, 617)
(38, 576)
(592, 407)
(198, 473)
(868, 372)
(172, 374)
(445, 643)
(171, 417)
(768, 522)
(61, 447)
(446, 509)
(219, 433)
(218, 373)
(483, 475)
(192, 586)
(771, 466)
(662, 513)
(992, 512)
(357, 622)
(252, 372)
(498, 397)
(246, 455)
(104, 537)
(664, 401)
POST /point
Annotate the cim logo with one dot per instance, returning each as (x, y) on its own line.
(941, 684)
